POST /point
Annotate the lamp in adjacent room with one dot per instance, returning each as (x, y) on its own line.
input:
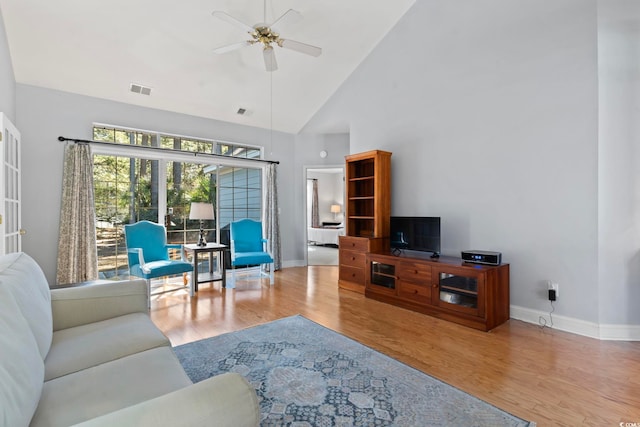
(335, 210)
(202, 211)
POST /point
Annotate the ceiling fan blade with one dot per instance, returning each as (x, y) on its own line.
(289, 17)
(300, 47)
(230, 47)
(270, 58)
(231, 20)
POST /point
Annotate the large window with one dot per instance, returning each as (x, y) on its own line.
(158, 188)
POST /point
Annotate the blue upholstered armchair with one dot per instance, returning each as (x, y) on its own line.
(148, 254)
(249, 248)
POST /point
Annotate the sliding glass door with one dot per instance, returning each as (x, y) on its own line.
(119, 197)
(125, 192)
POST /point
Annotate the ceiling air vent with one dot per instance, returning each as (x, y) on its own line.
(241, 111)
(143, 90)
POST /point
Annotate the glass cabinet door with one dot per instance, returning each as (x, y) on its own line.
(460, 291)
(383, 275)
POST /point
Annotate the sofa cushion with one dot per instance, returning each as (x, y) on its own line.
(21, 366)
(102, 300)
(24, 278)
(105, 388)
(82, 347)
(225, 400)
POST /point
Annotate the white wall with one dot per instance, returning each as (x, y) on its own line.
(7, 80)
(43, 115)
(490, 110)
(619, 160)
(338, 197)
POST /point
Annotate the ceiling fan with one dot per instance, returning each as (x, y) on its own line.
(268, 36)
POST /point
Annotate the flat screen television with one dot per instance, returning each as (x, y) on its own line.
(415, 234)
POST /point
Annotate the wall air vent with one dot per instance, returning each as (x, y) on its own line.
(143, 90)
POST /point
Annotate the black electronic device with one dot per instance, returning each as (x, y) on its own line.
(482, 257)
(415, 234)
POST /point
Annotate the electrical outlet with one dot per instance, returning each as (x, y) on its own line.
(555, 287)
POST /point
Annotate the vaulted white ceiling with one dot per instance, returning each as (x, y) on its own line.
(98, 48)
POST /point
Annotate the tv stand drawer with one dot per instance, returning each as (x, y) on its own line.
(414, 292)
(350, 243)
(414, 272)
(352, 258)
(352, 274)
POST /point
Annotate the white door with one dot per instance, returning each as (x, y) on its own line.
(10, 185)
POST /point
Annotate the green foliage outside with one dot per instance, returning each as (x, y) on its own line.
(125, 190)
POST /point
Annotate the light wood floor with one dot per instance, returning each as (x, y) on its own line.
(542, 375)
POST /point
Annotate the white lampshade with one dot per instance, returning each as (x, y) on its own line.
(202, 211)
(335, 209)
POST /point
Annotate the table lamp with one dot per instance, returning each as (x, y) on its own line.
(201, 211)
(335, 209)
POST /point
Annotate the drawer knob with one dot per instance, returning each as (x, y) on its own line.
(353, 258)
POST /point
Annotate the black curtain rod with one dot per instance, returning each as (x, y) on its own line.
(196, 154)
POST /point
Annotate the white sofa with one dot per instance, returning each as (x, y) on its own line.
(91, 356)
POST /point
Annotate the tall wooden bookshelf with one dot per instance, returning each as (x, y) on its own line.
(368, 192)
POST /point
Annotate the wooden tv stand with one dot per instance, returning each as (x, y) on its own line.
(473, 295)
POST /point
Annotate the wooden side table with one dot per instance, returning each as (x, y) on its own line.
(210, 248)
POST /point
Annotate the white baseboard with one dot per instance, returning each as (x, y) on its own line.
(620, 332)
(577, 326)
(294, 263)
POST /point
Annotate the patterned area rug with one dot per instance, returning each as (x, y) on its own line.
(308, 375)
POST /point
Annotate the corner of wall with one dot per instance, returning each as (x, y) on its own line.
(577, 326)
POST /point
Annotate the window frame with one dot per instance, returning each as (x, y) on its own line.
(166, 155)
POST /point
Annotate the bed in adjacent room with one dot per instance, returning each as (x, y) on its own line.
(325, 235)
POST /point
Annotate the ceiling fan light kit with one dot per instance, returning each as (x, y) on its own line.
(268, 37)
(270, 62)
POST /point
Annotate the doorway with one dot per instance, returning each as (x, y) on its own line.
(324, 214)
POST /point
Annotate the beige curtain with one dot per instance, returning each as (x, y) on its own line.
(272, 222)
(77, 254)
(315, 214)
